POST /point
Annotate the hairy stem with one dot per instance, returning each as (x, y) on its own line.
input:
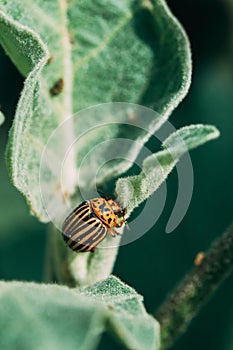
(191, 294)
(48, 264)
(55, 262)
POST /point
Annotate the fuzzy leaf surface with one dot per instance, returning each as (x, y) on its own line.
(135, 189)
(87, 53)
(37, 316)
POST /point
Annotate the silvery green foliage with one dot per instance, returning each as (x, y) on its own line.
(118, 56)
(155, 169)
(133, 190)
(39, 316)
(104, 52)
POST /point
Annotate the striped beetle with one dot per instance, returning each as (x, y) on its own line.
(90, 222)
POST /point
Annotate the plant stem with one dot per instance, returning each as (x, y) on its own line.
(55, 264)
(48, 265)
(191, 294)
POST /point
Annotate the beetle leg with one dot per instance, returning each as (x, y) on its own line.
(127, 226)
(93, 249)
(112, 232)
(118, 233)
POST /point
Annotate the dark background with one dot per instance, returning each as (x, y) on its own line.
(156, 262)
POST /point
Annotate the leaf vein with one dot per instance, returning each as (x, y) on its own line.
(97, 50)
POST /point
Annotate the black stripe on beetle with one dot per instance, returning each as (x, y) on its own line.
(89, 223)
(75, 218)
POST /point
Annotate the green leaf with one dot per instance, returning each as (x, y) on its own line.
(37, 316)
(47, 316)
(134, 53)
(135, 189)
(128, 319)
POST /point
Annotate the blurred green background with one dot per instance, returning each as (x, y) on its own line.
(157, 261)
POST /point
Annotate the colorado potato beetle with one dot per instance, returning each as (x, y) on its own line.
(90, 222)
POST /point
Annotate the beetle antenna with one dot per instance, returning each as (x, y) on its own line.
(127, 226)
(103, 195)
